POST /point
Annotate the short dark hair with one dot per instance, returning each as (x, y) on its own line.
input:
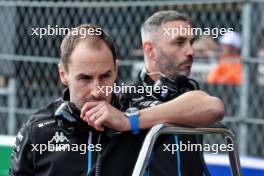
(161, 17)
(75, 35)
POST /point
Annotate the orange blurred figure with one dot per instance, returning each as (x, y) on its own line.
(229, 68)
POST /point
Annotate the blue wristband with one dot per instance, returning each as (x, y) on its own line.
(134, 123)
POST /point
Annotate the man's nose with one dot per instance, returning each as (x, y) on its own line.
(96, 89)
(189, 50)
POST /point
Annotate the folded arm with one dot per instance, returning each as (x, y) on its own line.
(194, 108)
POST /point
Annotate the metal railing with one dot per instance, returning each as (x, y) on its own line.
(160, 129)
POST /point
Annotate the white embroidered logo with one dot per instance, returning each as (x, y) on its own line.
(59, 137)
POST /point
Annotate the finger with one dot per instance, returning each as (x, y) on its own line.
(85, 120)
(93, 108)
(87, 106)
(89, 122)
(95, 117)
(88, 114)
(99, 123)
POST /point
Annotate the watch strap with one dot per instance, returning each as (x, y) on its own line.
(133, 119)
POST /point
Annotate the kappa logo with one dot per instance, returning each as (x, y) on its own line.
(59, 137)
(60, 143)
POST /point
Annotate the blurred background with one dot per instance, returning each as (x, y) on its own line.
(28, 63)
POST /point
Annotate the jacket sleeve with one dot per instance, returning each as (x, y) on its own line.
(22, 155)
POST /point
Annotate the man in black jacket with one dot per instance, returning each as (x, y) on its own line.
(51, 145)
(48, 145)
(167, 44)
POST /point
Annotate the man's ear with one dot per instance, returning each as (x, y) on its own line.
(63, 74)
(148, 50)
